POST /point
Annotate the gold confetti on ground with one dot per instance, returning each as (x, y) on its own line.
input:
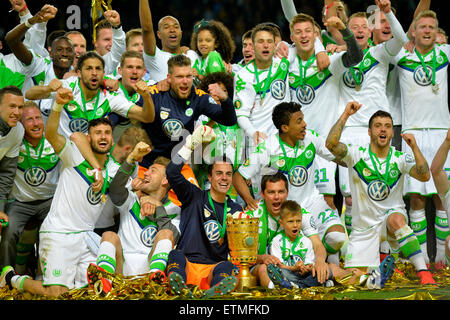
(403, 285)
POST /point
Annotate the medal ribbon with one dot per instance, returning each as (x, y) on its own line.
(83, 101)
(304, 69)
(388, 160)
(264, 234)
(41, 149)
(424, 65)
(223, 226)
(284, 247)
(258, 83)
(284, 151)
(359, 67)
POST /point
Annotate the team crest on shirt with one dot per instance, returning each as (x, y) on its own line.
(189, 112)
(278, 89)
(93, 197)
(409, 158)
(78, 125)
(148, 235)
(378, 190)
(206, 213)
(348, 79)
(35, 176)
(99, 112)
(305, 94)
(298, 176)
(173, 128)
(366, 172)
(421, 77)
(394, 174)
(72, 107)
(212, 230)
(164, 115)
(280, 163)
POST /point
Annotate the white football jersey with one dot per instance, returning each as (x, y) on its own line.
(320, 92)
(297, 164)
(375, 191)
(421, 106)
(75, 207)
(257, 92)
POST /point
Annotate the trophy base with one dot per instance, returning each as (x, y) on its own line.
(246, 279)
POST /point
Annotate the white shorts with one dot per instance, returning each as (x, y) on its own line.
(135, 264)
(363, 248)
(357, 136)
(324, 216)
(64, 259)
(324, 176)
(428, 142)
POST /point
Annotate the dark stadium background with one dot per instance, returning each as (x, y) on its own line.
(237, 15)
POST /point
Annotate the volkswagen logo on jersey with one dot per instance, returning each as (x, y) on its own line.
(348, 79)
(78, 125)
(212, 230)
(35, 176)
(421, 77)
(278, 89)
(93, 197)
(298, 176)
(148, 234)
(378, 190)
(305, 94)
(173, 128)
(296, 258)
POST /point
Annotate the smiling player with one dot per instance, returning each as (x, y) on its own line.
(377, 173)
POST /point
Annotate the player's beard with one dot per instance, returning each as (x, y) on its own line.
(97, 150)
(89, 86)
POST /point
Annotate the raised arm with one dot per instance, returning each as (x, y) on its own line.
(148, 33)
(184, 189)
(289, 10)
(118, 47)
(354, 53)
(399, 38)
(118, 191)
(63, 97)
(337, 148)
(146, 113)
(330, 10)
(14, 37)
(421, 170)
(242, 189)
(437, 166)
(43, 92)
(223, 113)
(422, 6)
(35, 36)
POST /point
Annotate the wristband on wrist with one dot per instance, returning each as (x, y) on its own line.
(57, 107)
(25, 8)
(116, 27)
(27, 24)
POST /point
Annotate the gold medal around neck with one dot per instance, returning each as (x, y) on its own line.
(435, 88)
(358, 87)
